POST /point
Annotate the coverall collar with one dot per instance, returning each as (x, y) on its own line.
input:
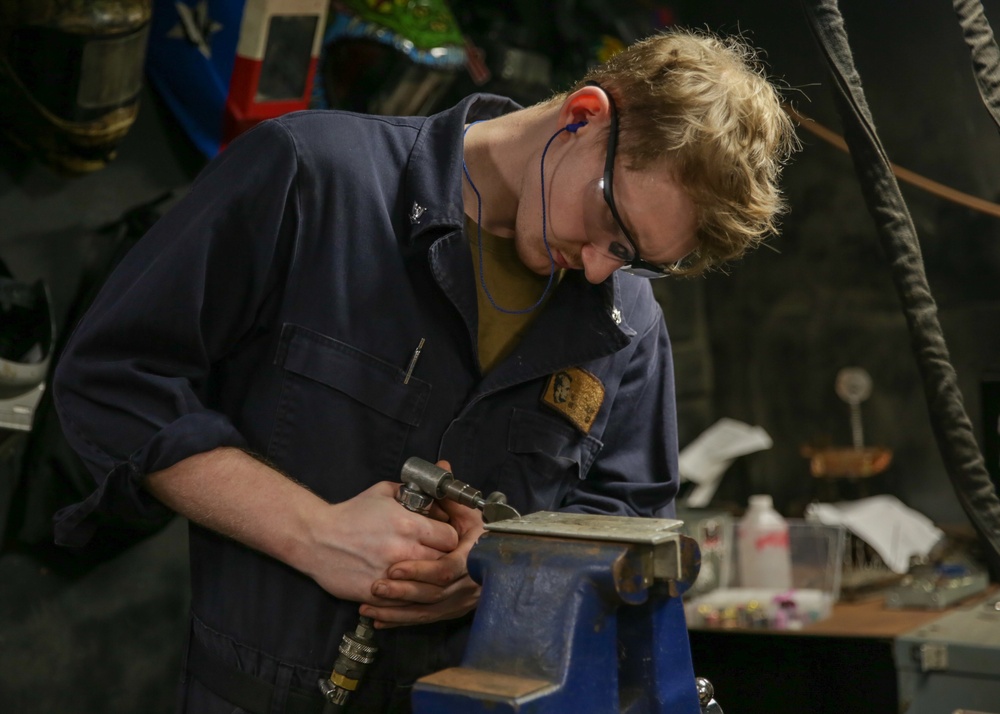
(589, 319)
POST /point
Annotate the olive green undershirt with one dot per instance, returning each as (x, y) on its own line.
(512, 286)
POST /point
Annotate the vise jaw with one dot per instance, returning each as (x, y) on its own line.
(579, 613)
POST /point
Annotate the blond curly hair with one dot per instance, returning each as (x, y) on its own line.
(704, 103)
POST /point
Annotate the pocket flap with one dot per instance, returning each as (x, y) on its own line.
(359, 375)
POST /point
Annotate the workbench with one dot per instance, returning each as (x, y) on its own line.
(845, 663)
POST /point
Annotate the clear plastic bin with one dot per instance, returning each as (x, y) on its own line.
(817, 557)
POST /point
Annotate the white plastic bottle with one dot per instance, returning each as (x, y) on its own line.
(764, 556)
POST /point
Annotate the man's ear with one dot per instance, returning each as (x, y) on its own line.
(586, 106)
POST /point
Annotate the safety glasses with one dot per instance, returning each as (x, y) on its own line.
(626, 252)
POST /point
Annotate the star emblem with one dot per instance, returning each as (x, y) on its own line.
(195, 26)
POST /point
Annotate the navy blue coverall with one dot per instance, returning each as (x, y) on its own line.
(276, 309)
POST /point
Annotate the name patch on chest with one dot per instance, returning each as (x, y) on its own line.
(577, 395)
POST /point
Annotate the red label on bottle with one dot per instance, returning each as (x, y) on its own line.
(777, 539)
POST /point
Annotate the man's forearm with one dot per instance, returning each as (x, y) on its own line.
(344, 546)
(232, 493)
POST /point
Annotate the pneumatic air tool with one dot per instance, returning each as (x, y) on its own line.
(423, 483)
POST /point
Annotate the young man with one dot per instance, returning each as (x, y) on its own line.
(339, 292)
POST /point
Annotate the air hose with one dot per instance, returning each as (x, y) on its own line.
(950, 423)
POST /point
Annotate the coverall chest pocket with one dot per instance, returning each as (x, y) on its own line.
(547, 457)
(343, 415)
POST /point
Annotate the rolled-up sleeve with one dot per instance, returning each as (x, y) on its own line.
(131, 385)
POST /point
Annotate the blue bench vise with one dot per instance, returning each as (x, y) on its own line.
(578, 614)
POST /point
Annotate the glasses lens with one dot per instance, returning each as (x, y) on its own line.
(641, 272)
(603, 232)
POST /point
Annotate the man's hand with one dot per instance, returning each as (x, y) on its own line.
(418, 591)
(345, 547)
(367, 535)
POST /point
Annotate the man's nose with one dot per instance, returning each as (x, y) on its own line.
(597, 266)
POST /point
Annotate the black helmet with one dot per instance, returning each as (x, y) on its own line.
(70, 75)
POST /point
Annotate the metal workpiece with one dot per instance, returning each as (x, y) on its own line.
(615, 529)
(668, 555)
(421, 477)
(677, 562)
(576, 614)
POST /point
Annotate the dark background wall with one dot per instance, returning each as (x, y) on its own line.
(74, 635)
(762, 344)
(782, 324)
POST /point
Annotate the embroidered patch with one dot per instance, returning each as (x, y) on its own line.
(577, 395)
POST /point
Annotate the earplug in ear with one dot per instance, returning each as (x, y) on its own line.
(571, 128)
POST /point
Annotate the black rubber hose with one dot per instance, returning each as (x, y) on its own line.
(985, 56)
(952, 429)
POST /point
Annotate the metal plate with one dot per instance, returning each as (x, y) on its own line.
(618, 529)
